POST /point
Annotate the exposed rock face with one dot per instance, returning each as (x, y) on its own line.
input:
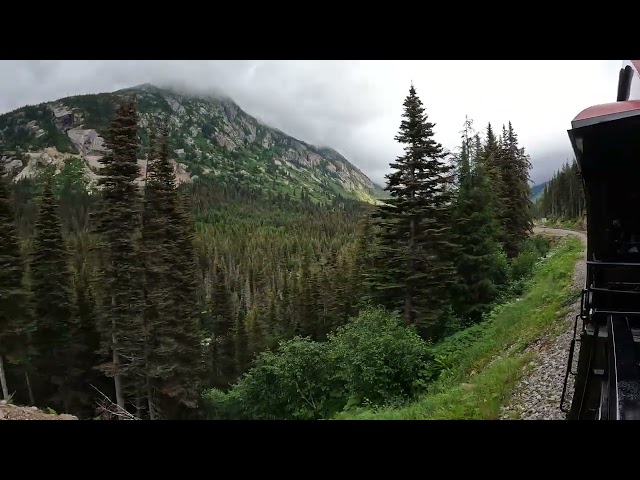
(88, 142)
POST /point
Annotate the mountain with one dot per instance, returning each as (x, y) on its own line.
(537, 191)
(209, 136)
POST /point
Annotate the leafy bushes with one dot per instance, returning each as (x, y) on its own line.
(373, 360)
(376, 359)
(533, 248)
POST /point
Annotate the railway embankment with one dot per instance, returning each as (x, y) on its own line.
(512, 365)
(537, 394)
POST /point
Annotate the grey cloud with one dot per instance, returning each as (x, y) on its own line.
(351, 106)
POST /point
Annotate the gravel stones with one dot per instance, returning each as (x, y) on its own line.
(537, 395)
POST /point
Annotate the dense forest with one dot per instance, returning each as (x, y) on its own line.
(218, 300)
(563, 196)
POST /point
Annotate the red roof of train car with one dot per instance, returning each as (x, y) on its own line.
(606, 112)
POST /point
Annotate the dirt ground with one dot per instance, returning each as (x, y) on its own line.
(13, 412)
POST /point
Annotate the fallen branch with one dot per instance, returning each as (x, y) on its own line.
(112, 408)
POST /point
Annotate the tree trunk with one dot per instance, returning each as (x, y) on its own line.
(408, 299)
(31, 398)
(152, 413)
(117, 378)
(3, 380)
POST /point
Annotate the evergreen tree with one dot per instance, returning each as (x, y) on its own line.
(118, 219)
(15, 321)
(55, 342)
(477, 229)
(563, 196)
(87, 341)
(516, 215)
(413, 272)
(184, 384)
(173, 359)
(224, 325)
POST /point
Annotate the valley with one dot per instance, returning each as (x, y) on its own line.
(187, 261)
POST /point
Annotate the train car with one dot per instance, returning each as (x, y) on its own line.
(606, 142)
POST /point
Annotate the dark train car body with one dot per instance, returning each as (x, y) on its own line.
(606, 141)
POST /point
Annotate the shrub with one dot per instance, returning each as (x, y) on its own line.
(372, 360)
(377, 359)
(292, 383)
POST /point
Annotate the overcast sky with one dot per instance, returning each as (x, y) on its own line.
(355, 106)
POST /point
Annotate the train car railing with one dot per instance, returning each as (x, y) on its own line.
(611, 296)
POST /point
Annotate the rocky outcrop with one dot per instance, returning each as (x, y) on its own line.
(88, 142)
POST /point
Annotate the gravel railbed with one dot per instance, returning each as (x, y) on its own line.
(537, 395)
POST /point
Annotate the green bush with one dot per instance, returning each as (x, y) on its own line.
(377, 359)
(292, 383)
(220, 405)
(532, 250)
(373, 360)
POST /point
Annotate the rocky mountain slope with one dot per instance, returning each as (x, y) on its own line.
(209, 136)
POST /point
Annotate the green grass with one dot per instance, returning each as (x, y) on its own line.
(569, 224)
(481, 374)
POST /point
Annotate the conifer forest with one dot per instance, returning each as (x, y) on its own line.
(221, 299)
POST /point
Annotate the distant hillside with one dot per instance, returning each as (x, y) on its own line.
(537, 191)
(209, 137)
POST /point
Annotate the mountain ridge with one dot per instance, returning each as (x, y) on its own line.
(210, 135)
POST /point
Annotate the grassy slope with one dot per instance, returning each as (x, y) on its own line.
(485, 373)
(569, 224)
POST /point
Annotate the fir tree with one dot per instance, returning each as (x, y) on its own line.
(477, 229)
(184, 384)
(15, 321)
(118, 219)
(173, 359)
(224, 324)
(413, 272)
(516, 217)
(563, 196)
(55, 344)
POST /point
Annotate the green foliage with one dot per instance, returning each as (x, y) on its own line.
(54, 338)
(117, 220)
(293, 383)
(412, 269)
(563, 196)
(533, 248)
(477, 368)
(480, 263)
(373, 360)
(32, 128)
(377, 359)
(15, 318)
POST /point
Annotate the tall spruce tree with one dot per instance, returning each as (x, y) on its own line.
(54, 339)
(413, 272)
(118, 220)
(184, 385)
(563, 195)
(15, 320)
(516, 217)
(87, 339)
(222, 346)
(173, 345)
(152, 259)
(478, 261)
